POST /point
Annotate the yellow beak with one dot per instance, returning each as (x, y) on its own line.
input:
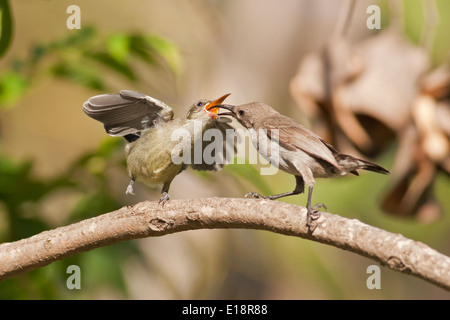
(209, 108)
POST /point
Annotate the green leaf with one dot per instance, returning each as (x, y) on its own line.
(118, 47)
(6, 26)
(162, 47)
(109, 61)
(140, 48)
(77, 40)
(12, 87)
(79, 74)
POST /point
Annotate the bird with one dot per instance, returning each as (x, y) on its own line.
(149, 127)
(295, 150)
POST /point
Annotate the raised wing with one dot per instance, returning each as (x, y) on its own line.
(127, 113)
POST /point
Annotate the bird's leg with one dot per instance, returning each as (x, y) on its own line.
(312, 213)
(299, 188)
(130, 189)
(164, 198)
(164, 193)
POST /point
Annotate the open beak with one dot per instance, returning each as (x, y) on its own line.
(227, 107)
(212, 109)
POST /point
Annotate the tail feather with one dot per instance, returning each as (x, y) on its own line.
(351, 164)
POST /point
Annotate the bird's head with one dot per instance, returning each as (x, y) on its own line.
(205, 109)
(247, 114)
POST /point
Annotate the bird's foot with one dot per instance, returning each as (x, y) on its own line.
(130, 190)
(165, 197)
(255, 195)
(313, 213)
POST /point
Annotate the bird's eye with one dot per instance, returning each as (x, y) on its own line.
(200, 104)
(241, 112)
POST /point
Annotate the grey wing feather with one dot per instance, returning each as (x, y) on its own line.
(127, 112)
(294, 136)
(225, 145)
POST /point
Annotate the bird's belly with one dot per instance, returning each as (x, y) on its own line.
(152, 164)
(155, 174)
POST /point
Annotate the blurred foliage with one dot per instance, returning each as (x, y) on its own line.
(24, 198)
(80, 56)
(420, 23)
(6, 26)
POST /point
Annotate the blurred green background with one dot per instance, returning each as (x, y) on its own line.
(57, 166)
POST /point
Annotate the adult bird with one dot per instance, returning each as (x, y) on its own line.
(295, 150)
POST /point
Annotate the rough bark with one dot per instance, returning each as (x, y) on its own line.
(150, 219)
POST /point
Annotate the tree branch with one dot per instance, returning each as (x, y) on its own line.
(150, 219)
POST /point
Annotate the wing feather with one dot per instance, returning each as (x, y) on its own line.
(127, 112)
(293, 136)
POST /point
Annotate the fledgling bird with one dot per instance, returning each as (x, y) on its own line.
(301, 152)
(148, 126)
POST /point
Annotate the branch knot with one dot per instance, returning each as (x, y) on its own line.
(160, 224)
